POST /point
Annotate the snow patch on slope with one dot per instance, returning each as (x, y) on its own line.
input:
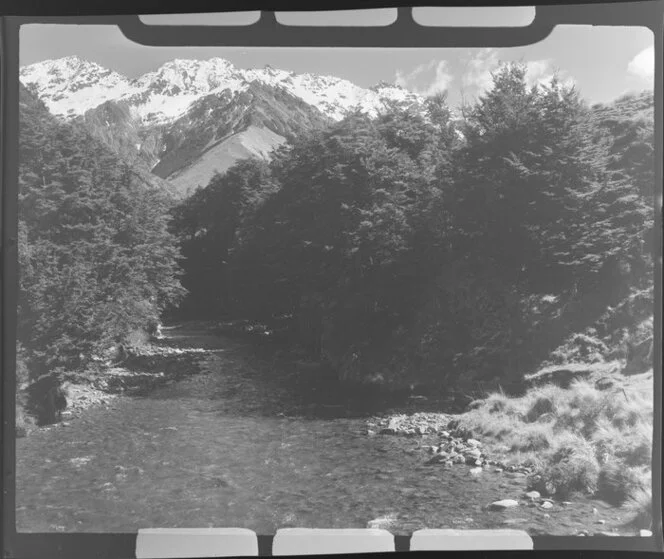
(71, 86)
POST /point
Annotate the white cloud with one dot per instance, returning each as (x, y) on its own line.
(541, 72)
(414, 79)
(477, 73)
(643, 65)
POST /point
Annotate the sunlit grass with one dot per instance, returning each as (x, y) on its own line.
(580, 439)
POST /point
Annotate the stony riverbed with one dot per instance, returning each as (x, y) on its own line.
(226, 438)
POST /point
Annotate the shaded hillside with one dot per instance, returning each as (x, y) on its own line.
(214, 120)
(97, 263)
(217, 131)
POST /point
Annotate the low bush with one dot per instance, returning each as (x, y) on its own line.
(571, 467)
(532, 438)
(579, 439)
(639, 507)
(616, 483)
(24, 422)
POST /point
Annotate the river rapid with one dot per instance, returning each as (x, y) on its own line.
(221, 447)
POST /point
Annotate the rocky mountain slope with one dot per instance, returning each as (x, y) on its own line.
(191, 118)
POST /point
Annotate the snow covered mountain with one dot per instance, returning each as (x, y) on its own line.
(191, 118)
(71, 86)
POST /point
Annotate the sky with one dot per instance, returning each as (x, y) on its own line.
(603, 62)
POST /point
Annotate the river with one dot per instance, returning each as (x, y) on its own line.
(215, 448)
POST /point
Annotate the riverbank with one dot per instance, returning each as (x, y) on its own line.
(592, 438)
(152, 364)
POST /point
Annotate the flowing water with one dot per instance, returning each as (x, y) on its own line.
(216, 449)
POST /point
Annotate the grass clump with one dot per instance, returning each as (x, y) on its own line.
(24, 422)
(571, 467)
(616, 483)
(639, 507)
(578, 439)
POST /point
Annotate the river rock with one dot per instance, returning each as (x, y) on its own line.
(383, 522)
(503, 504)
(474, 443)
(533, 495)
(475, 471)
(472, 455)
(645, 533)
(546, 505)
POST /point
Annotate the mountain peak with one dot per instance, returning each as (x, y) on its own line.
(70, 86)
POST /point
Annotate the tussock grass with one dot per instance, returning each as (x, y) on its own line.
(571, 467)
(639, 507)
(579, 439)
(24, 422)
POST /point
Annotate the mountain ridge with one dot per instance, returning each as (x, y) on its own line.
(70, 86)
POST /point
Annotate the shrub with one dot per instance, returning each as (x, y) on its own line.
(639, 506)
(616, 483)
(571, 467)
(582, 409)
(533, 438)
(24, 422)
(542, 405)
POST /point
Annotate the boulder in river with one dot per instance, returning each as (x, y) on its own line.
(503, 504)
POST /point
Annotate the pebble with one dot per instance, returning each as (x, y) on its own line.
(503, 504)
(546, 505)
(546, 516)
